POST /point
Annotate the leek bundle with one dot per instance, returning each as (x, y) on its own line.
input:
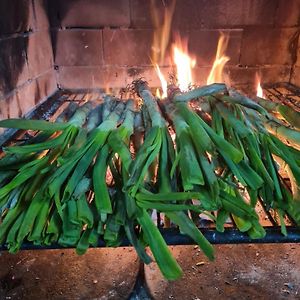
(101, 173)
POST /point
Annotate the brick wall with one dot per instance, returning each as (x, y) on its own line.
(295, 75)
(102, 43)
(27, 75)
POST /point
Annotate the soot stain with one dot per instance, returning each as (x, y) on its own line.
(57, 11)
(14, 16)
(12, 61)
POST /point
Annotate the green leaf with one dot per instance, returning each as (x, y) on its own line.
(50, 144)
(33, 125)
(136, 243)
(163, 207)
(166, 262)
(188, 227)
(222, 217)
(174, 196)
(83, 243)
(102, 198)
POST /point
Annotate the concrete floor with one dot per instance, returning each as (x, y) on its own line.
(61, 274)
(239, 272)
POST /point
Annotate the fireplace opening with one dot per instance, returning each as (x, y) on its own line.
(86, 53)
(51, 45)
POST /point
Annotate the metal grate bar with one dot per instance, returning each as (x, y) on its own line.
(284, 93)
(173, 237)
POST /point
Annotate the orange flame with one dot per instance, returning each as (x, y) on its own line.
(216, 72)
(163, 81)
(158, 93)
(184, 63)
(259, 90)
(162, 28)
(161, 36)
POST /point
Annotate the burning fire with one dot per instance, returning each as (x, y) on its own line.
(259, 90)
(162, 28)
(184, 63)
(215, 75)
(163, 81)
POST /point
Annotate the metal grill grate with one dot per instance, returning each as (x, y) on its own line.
(282, 93)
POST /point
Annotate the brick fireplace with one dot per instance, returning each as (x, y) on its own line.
(75, 44)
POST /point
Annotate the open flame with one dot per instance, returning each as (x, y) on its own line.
(163, 81)
(162, 29)
(215, 75)
(184, 63)
(161, 35)
(259, 90)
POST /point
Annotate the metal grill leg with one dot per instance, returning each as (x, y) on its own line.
(140, 289)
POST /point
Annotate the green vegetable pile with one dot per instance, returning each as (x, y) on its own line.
(100, 173)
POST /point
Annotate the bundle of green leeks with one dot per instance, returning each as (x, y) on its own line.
(94, 175)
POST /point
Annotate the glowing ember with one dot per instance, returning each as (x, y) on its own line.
(259, 90)
(163, 81)
(215, 75)
(184, 64)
